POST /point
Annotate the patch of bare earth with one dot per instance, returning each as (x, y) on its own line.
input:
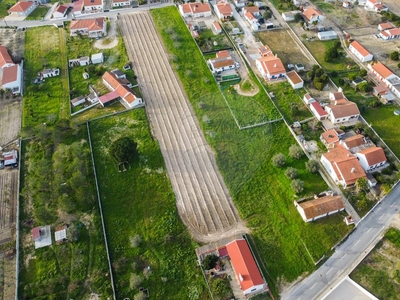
(250, 92)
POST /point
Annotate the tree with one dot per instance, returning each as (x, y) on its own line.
(295, 152)
(385, 189)
(291, 173)
(297, 185)
(318, 84)
(210, 261)
(312, 166)
(298, 17)
(394, 56)
(363, 72)
(364, 87)
(123, 150)
(135, 280)
(220, 287)
(331, 54)
(352, 76)
(267, 14)
(279, 160)
(362, 184)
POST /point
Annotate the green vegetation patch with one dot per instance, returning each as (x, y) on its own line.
(48, 101)
(58, 189)
(39, 13)
(149, 245)
(261, 191)
(379, 272)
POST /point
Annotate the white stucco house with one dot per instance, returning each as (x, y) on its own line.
(371, 158)
(360, 52)
(319, 208)
(270, 67)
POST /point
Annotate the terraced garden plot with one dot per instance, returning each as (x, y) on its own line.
(203, 200)
(8, 203)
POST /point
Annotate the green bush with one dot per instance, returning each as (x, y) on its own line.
(279, 160)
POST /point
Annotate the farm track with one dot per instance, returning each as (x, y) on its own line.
(203, 200)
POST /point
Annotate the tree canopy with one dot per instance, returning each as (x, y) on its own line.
(123, 150)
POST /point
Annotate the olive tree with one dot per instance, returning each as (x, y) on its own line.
(295, 152)
(279, 160)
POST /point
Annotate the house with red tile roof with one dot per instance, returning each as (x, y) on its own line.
(342, 111)
(119, 90)
(95, 27)
(318, 208)
(390, 34)
(385, 76)
(352, 143)
(265, 51)
(5, 58)
(384, 26)
(12, 79)
(120, 3)
(331, 137)
(343, 167)
(375, 5)
(222, 62)
(216, 27)
(383, 93)
(223, 10)
(318, 111)
(294, 79)
(245, 267)
(371, 158)
(92, 5)
(60, 12)
(22, 9)
(195, 10)
(42, 236)
(360, 52)
(311, 15)
(270, 67)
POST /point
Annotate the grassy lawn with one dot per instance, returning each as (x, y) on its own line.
(4, 7)
(379, 271)
(57, 188)
(47, 102)
(38, 14)
(261, 192)
(289, 102)
(318, 49)
(140, 203)
(325, 7)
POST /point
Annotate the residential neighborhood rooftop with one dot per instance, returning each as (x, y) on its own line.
(321, 206)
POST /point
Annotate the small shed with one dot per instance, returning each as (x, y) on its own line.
(10, 158)
(50, 73)
(308, 99)
(84, 60)
(118, 73)
(77, 101)
(294, 79)
(97, 58)
(327, 35)
(61, 234)
(92, 98)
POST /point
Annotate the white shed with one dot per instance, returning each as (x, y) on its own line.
(327, 35)
(97, 58)
(84, 60)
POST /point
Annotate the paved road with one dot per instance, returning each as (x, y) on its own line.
(248, 38)
(349, 254)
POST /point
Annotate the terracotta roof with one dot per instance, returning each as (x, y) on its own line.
(381, 89)
(10, 74)
(373, 155)
(354, 141)
(249, 16)
(344, 110)
(308, 96)
(360, 49)
(382, 70)
(123, 91)
(92, 2)
(318, 108)
(5, 58)
(265, 50)
(391, 32)
(272, 65)
(89, 24)
(321, 206)
(224, 9)
(36, 233)
(336, 96)
(223, 53)
(244, 264)
(195, 7)
(386, 25)
(330, 136)
(219, 63)
(372, 1)
(294, 77)
(21, 6)
(251, 9)
(311, 13)
(345, 165)
(217, 26)
(109, 97)
(61, 9)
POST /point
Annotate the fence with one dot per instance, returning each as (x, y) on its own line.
(17, 223)
(101, 211)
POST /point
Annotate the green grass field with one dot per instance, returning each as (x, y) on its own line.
(78, 267)
(261, 191)
(140, 202)
(46, 102)
(318, 49)
(379, 271)
(4, 7)
(38, 14)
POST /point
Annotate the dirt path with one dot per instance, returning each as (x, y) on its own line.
(111, 39)
(203, 200)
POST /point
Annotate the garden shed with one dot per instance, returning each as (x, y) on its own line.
(327, 35)
(97, 58)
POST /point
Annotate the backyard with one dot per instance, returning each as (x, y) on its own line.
(379, 271)
(150, 247)
(46, 102)
(39, 13)
(287, 246)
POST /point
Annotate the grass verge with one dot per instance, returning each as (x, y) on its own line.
(149, 245)
(261, 191)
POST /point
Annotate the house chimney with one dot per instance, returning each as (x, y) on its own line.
(274, 65)
(353, 170)
(335, 102)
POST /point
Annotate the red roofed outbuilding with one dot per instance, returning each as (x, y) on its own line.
(358, 50)
(22, 9)
(245, 267)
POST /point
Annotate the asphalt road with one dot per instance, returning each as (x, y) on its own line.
(349, 254)
(111, 14)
